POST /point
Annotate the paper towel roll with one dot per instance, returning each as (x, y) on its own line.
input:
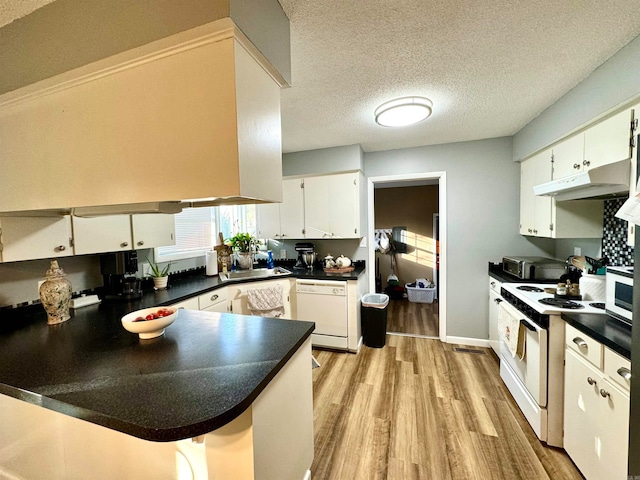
(593, 287)
(212, 263)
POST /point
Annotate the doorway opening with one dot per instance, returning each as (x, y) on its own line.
(410, 211)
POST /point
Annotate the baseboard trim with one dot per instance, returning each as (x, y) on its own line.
(472, 342)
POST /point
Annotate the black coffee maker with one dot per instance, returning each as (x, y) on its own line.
(118, 273)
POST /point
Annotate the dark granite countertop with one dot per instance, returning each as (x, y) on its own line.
(604, 329)
(202, 373)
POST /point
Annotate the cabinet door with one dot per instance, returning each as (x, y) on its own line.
(543, 171)
(238, 296)
(28, 238)
(568, 156)
(189, 304)
(268, 220)
(527, 197)
(344, 214)
(316, 207)
(215, 301)
(613, 429)
(292, 212)
(582, 407)
(153, 230)
(608, 141)
(494, 301)
(109, 233)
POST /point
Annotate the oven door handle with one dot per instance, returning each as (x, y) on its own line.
(528, 325)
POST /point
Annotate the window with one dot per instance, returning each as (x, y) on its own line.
(197, 230)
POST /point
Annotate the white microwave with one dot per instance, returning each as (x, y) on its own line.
(619, 298)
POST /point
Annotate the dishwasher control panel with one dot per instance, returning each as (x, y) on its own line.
(320, 287)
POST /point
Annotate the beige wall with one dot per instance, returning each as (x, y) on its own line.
(411, 207)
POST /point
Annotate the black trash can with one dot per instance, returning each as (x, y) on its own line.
(374, 319)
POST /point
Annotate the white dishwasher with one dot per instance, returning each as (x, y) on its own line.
(325, 303)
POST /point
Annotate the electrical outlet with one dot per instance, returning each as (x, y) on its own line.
(146, 269)
(577, 251)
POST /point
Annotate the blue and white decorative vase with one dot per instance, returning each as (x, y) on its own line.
(55, 294)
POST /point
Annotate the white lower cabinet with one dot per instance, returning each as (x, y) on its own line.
(30, 238)
(188, 304)
(596, 413)
(214, 301)
(494, 300)
(238, 295)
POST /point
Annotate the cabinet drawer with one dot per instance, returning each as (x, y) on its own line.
(189, 304)
(494, 284)
(617, 368)
(215, 297)
(584, 345)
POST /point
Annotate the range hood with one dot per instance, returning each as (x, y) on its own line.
(610, 179)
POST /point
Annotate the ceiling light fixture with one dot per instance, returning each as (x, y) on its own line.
(403, 111)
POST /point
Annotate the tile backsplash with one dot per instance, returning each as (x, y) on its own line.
(614, 235)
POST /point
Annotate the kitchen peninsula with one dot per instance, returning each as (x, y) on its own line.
(217, 396)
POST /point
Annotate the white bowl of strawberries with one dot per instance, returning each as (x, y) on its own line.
(149, 322)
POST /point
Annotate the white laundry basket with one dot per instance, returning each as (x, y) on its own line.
(420, 295)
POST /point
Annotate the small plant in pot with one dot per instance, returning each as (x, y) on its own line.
(159, 275)
(245, 245)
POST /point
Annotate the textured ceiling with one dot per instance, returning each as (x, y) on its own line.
(489, 66)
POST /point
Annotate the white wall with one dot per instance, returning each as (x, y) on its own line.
(483, 186)
(321, 161)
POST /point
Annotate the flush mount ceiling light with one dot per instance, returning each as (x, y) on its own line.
(403, 111)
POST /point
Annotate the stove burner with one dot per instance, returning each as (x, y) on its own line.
(560, 303)
(599, 305)
(527, 288)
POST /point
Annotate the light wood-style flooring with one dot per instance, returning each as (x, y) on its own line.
(412, 318)
(417, 409)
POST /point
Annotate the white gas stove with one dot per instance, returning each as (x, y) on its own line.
(533, 294)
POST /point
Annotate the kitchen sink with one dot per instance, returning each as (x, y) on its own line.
(255, 273)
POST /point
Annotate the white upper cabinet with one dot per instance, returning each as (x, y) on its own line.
(332, 206)
(605, 142)
(292, 209)
(542, 216)
(535, 211)
(283, 220)
(608, 141)
(108, 233)
(568, 156)
(113, 233)
(153, 230)
(29, 238)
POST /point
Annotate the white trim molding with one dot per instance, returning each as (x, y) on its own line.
(404, 180)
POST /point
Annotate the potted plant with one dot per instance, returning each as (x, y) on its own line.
(159, 275)
(244, 244)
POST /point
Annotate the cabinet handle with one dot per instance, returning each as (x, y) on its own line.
(535, 231)
(591, 381)
(140, 243)
(604, 393)
(497, 300)
(580, 342)
(60, 248)
(530, 231)
(576, 166)
(625, 373)
(124, 244)
(586, 163)
(493, 284)
(214, 297)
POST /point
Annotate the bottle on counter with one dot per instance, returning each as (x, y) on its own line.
(269, 259)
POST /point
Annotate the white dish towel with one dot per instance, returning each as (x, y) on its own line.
(266, 302)
(511, 330)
